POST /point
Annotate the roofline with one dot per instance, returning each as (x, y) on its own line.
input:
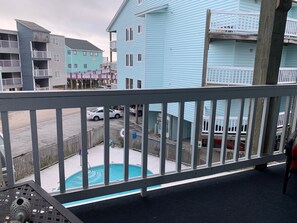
(124, 3)
(152, 10)
(21, 22)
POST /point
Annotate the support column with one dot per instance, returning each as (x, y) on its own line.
(273, 18)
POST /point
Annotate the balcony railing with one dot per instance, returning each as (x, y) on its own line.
(9, 44)
(219, 75)
(42, 73)
(9, 63)
(42, 88)
(12, 81)
(41, 54)
(113, 45)
(178, 102)
(243, 23)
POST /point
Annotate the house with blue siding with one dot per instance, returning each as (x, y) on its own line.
(190, 44)
(82, 57)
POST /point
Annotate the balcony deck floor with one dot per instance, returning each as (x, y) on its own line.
(249, 196)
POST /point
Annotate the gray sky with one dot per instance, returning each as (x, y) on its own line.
(82, 19)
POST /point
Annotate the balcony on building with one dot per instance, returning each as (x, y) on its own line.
(113, 46)
(39, 51)
(9, 63)
(242, 26)
(208, 170)
(9, 44)
(8, 40)
(243, 76)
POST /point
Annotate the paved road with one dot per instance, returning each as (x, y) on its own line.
(20, 131)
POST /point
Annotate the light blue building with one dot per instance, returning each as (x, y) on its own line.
(185, 44)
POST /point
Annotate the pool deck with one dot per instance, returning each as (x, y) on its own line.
(50, 175)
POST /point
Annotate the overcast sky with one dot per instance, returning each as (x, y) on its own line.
(81, 19)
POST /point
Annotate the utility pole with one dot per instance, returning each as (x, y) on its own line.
(273, 18)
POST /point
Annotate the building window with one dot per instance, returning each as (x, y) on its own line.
(69, 52)
(74, 52)
(129, 34)
(56, 58)
(91, 53)
(139, 29)
(139, 57)
(69, 65)
(129, 83)
(57, 74)
(139, 2)
(84, 53)
(138, 84)
(85, 66)
(75, 65)
(96, 54)
(129, 60)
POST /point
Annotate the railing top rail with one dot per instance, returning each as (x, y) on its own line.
(234, 12)
(232, 68)
(16, 101)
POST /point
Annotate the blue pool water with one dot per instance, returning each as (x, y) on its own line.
(96, 176)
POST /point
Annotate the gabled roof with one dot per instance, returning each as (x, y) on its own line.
(79, 44)
(116, 15)
(33, 26)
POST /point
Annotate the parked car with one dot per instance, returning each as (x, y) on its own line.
(98, 113)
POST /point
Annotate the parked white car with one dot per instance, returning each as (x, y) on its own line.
(98, 113)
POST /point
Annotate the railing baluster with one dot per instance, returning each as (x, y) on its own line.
(144, 157)
(285, 125)
(84, 149)
(211, 125)
(7, 148)
(263, 126)
(195, 151)
(60, 142)
(251, 126)
(238, 131)
(225, 132)
(163, 139)
(126, 142)
(35, 150)
(106, 145)
(179, 143)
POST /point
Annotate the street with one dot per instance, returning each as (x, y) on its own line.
(20, 132)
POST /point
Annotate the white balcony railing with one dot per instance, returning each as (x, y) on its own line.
(244, 75)
(41, 54)
(42, 73)
(243, 23)
(12, 81)
(9, 44)
(9, 63)
(184, 101)
(113, 45)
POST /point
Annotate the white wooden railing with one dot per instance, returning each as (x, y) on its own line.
(113, 45)
(40, 54)
(229, 76)
(42, 73)
(9, 44)
(243, 22)
(9, 63)
(12, 81)
(191, 99)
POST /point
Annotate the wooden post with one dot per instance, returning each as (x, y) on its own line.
(272, 26)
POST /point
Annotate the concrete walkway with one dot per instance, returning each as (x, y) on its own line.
(50, 175)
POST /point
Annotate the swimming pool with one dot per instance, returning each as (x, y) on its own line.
(96, 176)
